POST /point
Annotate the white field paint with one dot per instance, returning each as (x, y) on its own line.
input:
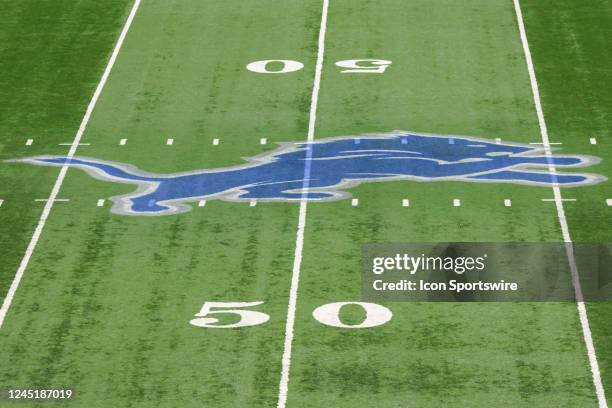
(593, 140)
(558, 199)
(261, 67)
(364, 66)
(122, 142)
(456, 202)
(1, 202)
(582, 312)
(62, 174)
(201, 203)
(29, 142)
(70, 144)
(355, 202)
(170, 142)
(405, 202)
(100, 202)
(247, 317)
(253, 203)
(497, 140)
(299, 238)
(609, 201)
(329, 315)
(508, 202)
(215, 142)
(263, 141)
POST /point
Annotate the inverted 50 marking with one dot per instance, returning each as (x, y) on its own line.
(328, 314)
(354, 66)
(263, 67)
(363, 66)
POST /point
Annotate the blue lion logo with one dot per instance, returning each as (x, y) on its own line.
(322, 170)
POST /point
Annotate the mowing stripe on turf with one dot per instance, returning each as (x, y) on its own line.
(62, 174)
(584, 320)
(299, 240)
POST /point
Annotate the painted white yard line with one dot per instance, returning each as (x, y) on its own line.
(62, 174)
(558, 199)
(299, 240)
(582, 313)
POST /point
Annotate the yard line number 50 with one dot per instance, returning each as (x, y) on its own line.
(328, 314)
(354, 66)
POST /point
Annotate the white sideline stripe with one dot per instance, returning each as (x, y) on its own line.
(122, 142)
(299, 238)
(405, 202)
(29, 142)
(508, 202)
(456, 202)
(62, 174)
(582, 313)
(101, 202)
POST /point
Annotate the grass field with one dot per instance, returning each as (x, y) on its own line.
(106, 299)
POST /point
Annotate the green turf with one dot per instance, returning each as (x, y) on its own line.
(116, 306)
(569, 44)
(463, 73)
(105, 303)
(52, 55)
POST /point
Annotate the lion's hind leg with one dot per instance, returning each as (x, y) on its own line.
(289, 191)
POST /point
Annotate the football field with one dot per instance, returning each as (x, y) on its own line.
(245, 289)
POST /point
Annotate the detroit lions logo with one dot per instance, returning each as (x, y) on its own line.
(324, 169)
